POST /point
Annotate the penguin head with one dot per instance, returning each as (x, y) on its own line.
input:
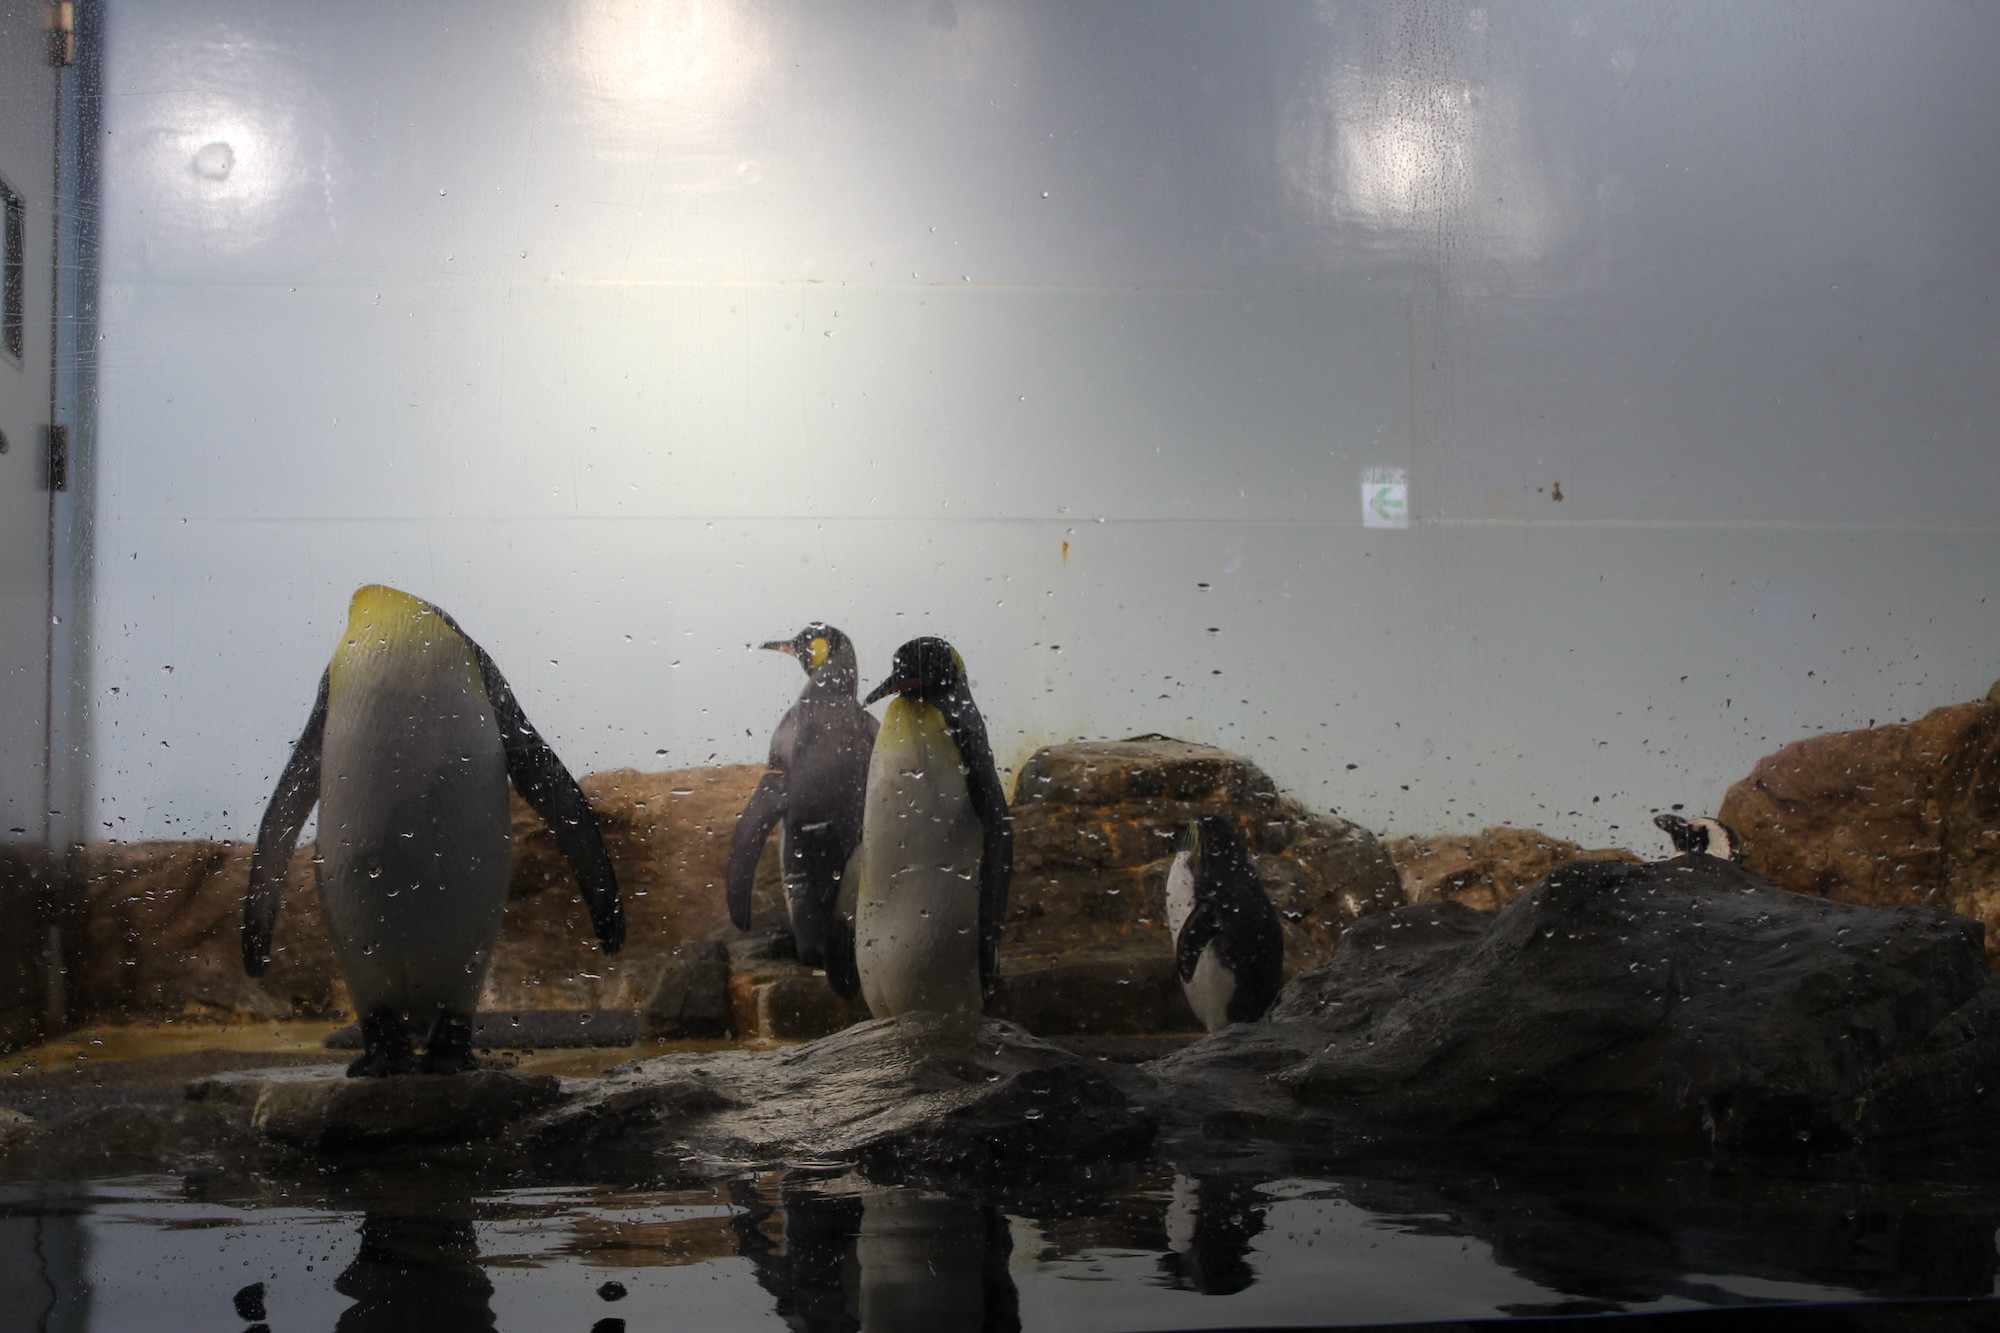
(814, 646)
(1696, 837)
(1208, 838)
(924, 669)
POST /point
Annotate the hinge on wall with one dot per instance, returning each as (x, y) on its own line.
(62, 32)
(59, 458)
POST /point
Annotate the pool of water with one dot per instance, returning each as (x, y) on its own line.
(1266, 1236)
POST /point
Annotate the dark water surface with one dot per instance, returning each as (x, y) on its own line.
(1269, 1236)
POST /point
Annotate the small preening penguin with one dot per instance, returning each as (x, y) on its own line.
(812, 790)
(937, 844)
(1696, 837)
(1228, 946)
(408, 753)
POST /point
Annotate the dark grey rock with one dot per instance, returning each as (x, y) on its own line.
(320, 1108)
(1681, 998)
(949, 1094)
(115, 1139)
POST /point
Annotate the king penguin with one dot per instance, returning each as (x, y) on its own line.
(937, 844)
(1695, 837)
(1228, 947)
(812, 789)
(408, 753)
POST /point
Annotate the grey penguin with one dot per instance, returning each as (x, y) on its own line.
(408, 752)
(1696, 837)
(812, 791)
(1228, 946)
(937, 844)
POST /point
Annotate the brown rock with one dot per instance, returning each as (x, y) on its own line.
(1087, 906)
(692, 999)
(161, 919)
(160, 937)
(1094, 994)
(1488, 869)
(1896, 814)
(668, 835)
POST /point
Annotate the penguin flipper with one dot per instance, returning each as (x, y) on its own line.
(760, 815)
(278, 834)
(547, 786)
(1203, 925)
(989, 802)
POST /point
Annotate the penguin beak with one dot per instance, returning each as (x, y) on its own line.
(785, 646)
(893, 685)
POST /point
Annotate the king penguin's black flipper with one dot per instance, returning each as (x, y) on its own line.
(989, 802)
(1202, 926)
(765, 808)
(278, 834)
(546, 785)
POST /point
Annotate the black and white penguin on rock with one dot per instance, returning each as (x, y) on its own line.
(1700, 837)
(1228, 946)
(812, 792)
(408, 753)
(937, 844)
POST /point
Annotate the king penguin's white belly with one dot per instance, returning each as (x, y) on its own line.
(413, 829)
(917, 918)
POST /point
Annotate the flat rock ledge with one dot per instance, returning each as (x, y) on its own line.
(1678, 999)
(318, 1107)
(947, 1095)
(952, 1096)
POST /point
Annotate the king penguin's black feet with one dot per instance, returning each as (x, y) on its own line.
(450, 1048)
(385, 1047)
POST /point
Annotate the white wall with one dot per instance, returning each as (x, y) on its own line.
(632, 333)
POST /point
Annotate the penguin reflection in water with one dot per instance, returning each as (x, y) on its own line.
(812, 792)
(1212, 1222)
(408, 754)
(878, 1259)
(937, 844)
(1228, 947)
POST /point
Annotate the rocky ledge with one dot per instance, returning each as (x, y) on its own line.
(950, 1095)
(319, 1107)
(1679, 1000)
(925, 1093)
(1675, 999)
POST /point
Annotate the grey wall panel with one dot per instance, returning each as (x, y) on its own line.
(635, 333)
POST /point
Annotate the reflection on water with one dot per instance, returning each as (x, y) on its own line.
(1271, 1239)
(417, 1272)
(802, 1243)
(1210, 1224)
(879, 1259)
